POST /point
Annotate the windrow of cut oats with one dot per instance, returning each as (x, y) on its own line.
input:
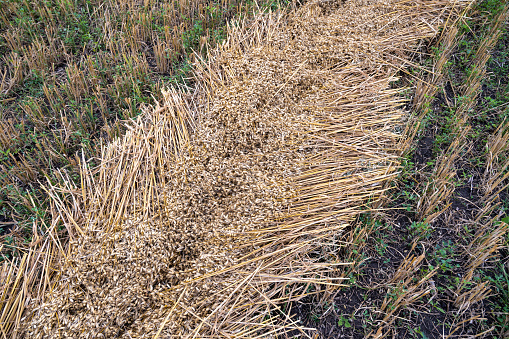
(220, 204)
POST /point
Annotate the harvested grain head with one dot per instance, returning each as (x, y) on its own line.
(215, 206)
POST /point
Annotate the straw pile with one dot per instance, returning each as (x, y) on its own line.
(221, 204)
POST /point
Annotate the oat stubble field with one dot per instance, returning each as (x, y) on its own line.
(330, 169)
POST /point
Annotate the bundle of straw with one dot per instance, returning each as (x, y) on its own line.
(220, 205)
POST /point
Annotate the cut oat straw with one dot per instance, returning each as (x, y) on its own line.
(217, 205)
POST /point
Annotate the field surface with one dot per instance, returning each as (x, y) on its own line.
(330, 169)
